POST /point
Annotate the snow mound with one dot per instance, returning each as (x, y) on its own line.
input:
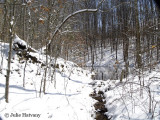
(19, 43)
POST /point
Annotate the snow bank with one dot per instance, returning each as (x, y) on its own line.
(19, 43)
(131, 101)
(67, 89)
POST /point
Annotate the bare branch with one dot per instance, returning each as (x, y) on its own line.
(71, 15)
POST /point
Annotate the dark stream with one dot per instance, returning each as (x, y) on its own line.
(102, 73)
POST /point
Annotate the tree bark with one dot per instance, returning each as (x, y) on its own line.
(11, 18)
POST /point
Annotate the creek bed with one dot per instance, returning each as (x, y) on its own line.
(100, 105)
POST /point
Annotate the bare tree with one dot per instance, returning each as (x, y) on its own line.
(10, 8)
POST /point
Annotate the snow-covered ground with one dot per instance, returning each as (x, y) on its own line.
(108, 65)
(67, 96)
(111, 66)
(135, 98)
(68, 88)
(132, 99)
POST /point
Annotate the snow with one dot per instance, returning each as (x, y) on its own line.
(28, 1)
(108, 64)
(66, 18)
(19, 41)
(128, 100)
(68, 88)
(41, 19)
(131, 99)
(66, 98)
(11, 22)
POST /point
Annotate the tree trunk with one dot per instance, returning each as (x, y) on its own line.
(138, 41)
(11, 18)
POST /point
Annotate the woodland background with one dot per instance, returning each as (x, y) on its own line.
(131, 26)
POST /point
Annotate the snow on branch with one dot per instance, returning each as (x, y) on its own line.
(19, 43)
(71, 15)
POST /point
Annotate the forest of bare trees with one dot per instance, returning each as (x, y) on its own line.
(46, 43)
(132, 25)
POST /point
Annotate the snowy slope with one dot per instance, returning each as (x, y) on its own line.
(66, 98)
(108, 65)
(112, 67)
(131, 101)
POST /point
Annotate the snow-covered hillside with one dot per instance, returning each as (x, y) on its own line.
(137, 97)
(132, 99)
(71, 94)
(111, 64)
(67, 89)
(108, 66)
